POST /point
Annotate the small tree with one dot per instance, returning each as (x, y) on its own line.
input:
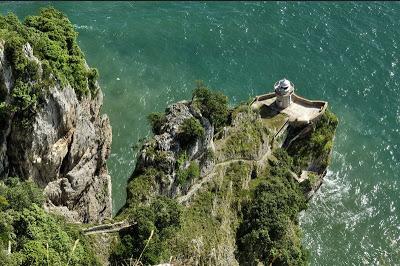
(190, 130)
(212, 104)
(156, 120)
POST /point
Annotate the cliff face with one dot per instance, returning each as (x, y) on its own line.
(165, 149)
(62, 146)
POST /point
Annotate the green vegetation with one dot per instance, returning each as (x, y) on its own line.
(262, 212)
(269, 232)
(318, 145)
(188, 174)
(209, 155)
(140, 188)
(156, 217)
(53, 40)
(283, 162)
(182, 158)
(155, 223)
(241, 108)
(313, 178)
(190, 131)
(161, 159)
(5, 110)
(156, 120)
(212, 104)
(309, 184)
(245, 140)
(37, 238)
(211, 218)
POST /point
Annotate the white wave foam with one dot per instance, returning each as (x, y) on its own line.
(85, 27)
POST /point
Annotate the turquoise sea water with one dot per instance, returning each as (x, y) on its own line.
(150, 54)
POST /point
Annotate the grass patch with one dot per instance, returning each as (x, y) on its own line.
(244, 141)
(317, 145)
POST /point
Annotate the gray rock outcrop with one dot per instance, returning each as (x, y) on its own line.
(64, 148)
(167, 144)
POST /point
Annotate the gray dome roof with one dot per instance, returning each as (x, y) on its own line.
(284, 83)
(283, 87)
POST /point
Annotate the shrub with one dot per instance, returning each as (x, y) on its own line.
(156, 121)
(210, 154)
(306, 186)
(212, 104)
(190, 131)
(283, 159)
(186, 175)
(37, 237)
(317, 145)
(20, 195)
(24, 96)
(41, 239)
(5, 110)
(242, 108)
(269, 233)
(140, 188)
(93, 75)
(182, 158)
(161, 217)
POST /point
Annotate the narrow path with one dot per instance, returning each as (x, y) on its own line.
(195, 187)
(206, 178)
(107, 228)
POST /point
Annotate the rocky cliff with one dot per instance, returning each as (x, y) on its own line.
(165, 149)
(241, 206)
(62, 146)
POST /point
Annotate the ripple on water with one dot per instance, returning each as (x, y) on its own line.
(344, 53)
(360, 220)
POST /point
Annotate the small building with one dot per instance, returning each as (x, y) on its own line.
(282, 110)
(283, 91)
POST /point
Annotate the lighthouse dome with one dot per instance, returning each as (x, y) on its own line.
(283, 86)
(284, 83)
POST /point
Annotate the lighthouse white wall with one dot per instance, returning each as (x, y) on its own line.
(283, 101)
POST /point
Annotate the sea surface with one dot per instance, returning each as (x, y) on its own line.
(149, 55)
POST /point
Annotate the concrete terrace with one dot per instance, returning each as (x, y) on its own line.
(300, 112)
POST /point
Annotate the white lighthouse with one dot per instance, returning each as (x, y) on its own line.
(283, 91)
